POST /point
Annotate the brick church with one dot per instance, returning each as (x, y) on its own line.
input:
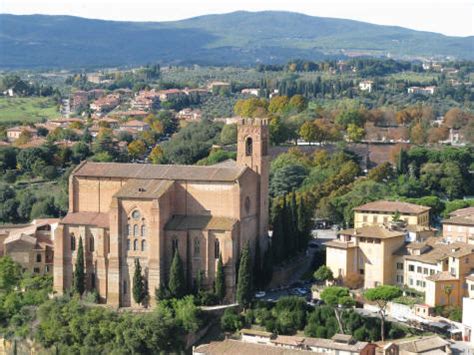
(129, 211)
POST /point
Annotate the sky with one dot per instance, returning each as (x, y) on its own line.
(449, 17)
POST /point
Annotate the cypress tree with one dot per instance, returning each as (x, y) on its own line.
(258, 266)
(198, 282)
(79, 276)
(278, 237)
(219, 286)
(138, 283)
(244, 280)
(177, 284)
(267, 267)
(302, 224)
(402, 167)
(287, 247)
(294, 235)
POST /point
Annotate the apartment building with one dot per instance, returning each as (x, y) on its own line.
(459, 226)
(468, 311)
(381, 212)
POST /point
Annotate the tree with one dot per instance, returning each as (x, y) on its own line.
(10, 274)
(347, 117)
(219, 286)
(287, 179)
(138, 283)
(448, 289)
(258, 272)
(156, 155)
(177, 283)
(323, 274)
(402, 162)
(418, 134)
(338, 298)
(229, 134)
(308, 131)
(79, 274)
(244, 280)
(136, 149)
(382, 295)
(355, 133)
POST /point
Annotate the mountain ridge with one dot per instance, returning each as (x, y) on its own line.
(237, 38)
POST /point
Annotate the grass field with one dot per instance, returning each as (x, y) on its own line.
(28, 109)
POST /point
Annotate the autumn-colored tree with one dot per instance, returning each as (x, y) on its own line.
(76, 125)
(278, 104)
(456, 118)
(355, 133)
(418, 134)
(251, 107)
(136, 148)
(298, 102)
(437, 134)
(308, 131)
(156, 155)
(25, 137)
(382, 172)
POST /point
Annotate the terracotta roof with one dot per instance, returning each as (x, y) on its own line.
(260, 333)
(135, 123)
(97, 219)
(343, 338)
(180, 222)
(289, 340)
(423, 344)
(236, 347)
(20, 237)
(392, 207)
(373, 232)
(439, 251)
(137, 188)
(442, 276)
(463, 220)
(334, 345)
(463, 212)
(166, 172)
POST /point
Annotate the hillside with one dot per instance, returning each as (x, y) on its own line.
(239, 38)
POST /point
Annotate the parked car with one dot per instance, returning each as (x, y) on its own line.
(260, 294)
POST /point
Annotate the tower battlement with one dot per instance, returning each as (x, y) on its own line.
(248, 121)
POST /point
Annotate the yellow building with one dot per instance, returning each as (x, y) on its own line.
(380, 213)
(365, 253)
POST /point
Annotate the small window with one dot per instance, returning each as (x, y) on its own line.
(411, 267)
(135, 230)
(135, 244)
(91, 244)
(46, 268)
(143, 230)
(248, 146)
(93, 280)
(197, 247)
(128, 229)
(364, 218)
(217, 251)
(73, 242)
(38, 258)
(419, 269)
(143, 245)
(136, 214)
(36, 270)
(128, 244)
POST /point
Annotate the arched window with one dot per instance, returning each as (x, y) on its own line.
(128, 229)
(143, 245)
(128, 244)
(91, 244)
(73, 242)
(135, 244)
(93, 280)
(197, 247)
(217, 248)
(135, 230)
(143, 231)
(125, 287)
(248, 146)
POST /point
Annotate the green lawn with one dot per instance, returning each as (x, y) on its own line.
(28, 109)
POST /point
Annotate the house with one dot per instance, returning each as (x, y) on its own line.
(426, 90)
(381, 212)
(14, 133)
(339, 344)
(106, 103)
(170, 94)
(145, 100)
(31, 245)
(217, 86)
(256, 336)
(459, 226)
(254, 91)
(149, 212)
(188, 114)
(237, 347)
(135, 125)
(468, 311)
(425, 345)
(366, 85)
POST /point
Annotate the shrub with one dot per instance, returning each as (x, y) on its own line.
(231, 321)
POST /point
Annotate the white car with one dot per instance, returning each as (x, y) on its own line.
(260, 294)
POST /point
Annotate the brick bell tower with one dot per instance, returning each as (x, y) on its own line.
(252, 151)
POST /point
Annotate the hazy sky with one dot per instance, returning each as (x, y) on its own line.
(450, 17)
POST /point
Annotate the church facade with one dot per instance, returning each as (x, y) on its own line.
(127, 211)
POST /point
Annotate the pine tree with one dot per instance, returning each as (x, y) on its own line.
(138, 283)
(177, 284)
(258, 266)
(79, 276)
(219, 286)
(244, 281)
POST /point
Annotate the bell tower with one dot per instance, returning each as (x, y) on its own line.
(252, 151)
